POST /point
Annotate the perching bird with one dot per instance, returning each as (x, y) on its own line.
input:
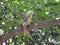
(1, 32)
(27, 21)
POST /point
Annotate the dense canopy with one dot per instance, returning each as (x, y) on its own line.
(12, 11)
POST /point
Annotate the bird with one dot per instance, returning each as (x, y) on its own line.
(27, 21)
(1, 32)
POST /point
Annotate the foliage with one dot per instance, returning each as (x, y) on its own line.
(11, 14)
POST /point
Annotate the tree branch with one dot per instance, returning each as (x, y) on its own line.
(30, 27)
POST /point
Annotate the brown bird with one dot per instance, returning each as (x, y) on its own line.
(27, 21)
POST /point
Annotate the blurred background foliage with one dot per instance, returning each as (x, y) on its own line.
(11, 12)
